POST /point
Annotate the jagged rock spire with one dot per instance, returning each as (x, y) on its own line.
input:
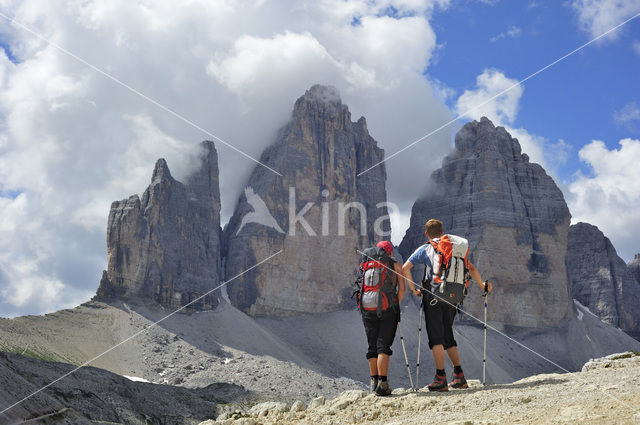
(319, 153)
(165, 247)
(515, 218)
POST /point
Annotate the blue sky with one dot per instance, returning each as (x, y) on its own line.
(7, 50)
(576, 99)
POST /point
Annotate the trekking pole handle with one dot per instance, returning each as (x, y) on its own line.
(486, 287)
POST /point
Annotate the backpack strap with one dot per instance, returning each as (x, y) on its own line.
(359, 286)
(394, 302)
(383, 277)
(437, 275)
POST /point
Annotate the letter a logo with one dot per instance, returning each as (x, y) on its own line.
(260, 213)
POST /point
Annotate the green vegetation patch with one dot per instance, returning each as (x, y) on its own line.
(49, 357)
(36, 353)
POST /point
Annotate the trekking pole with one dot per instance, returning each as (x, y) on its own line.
(484, 353)
(419, 335)
(406, 359)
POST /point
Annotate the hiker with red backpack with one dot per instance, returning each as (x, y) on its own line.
(380, 290)
(444, 286)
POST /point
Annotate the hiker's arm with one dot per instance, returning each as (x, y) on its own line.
(475, 274)
(401, 286)
(406, 272)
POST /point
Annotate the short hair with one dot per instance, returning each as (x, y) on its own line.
(433, 228)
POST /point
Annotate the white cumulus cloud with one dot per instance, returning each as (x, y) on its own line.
(503, 110)
(489, 84)
(610, 197)
(254, 65)
(72, 141)
(599, 16)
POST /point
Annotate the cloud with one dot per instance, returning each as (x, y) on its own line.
(628, 117)
(512, 32)
(490, 83)
(73, 141)
(442, 91)
(255, 64)
(503, 110)
(22, 282)
(599, 16)
(609, 198)
(630, 112)
(636, 47)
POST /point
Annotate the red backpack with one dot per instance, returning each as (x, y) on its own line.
(376, 284)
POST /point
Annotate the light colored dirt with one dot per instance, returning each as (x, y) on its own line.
(605, 393)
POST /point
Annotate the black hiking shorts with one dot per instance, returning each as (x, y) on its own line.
(380, 331)
(439, 321)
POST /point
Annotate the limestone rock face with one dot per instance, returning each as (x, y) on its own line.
(166, 247)
(318, 212)
(515, 218)
(601, 281)
(634, 267)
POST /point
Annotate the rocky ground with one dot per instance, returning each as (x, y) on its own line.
(281, 360)
(92, 395)
(606, 391)
(192, 351)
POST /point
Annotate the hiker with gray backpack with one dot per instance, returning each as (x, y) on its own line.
(380, 289)
(444, 286)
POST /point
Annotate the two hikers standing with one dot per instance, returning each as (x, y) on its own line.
(382, 288)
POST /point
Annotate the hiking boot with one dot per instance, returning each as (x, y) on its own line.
(383, 389)
(373, 384)
(459, 381)
(439, 383)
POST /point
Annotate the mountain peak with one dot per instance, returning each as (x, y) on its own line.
(514, 216)
(483, 136)
(319, 152)
(322, 101)
(161, 170)
(204, 179)
(327, 94)
(209, 149)
(165, 248)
